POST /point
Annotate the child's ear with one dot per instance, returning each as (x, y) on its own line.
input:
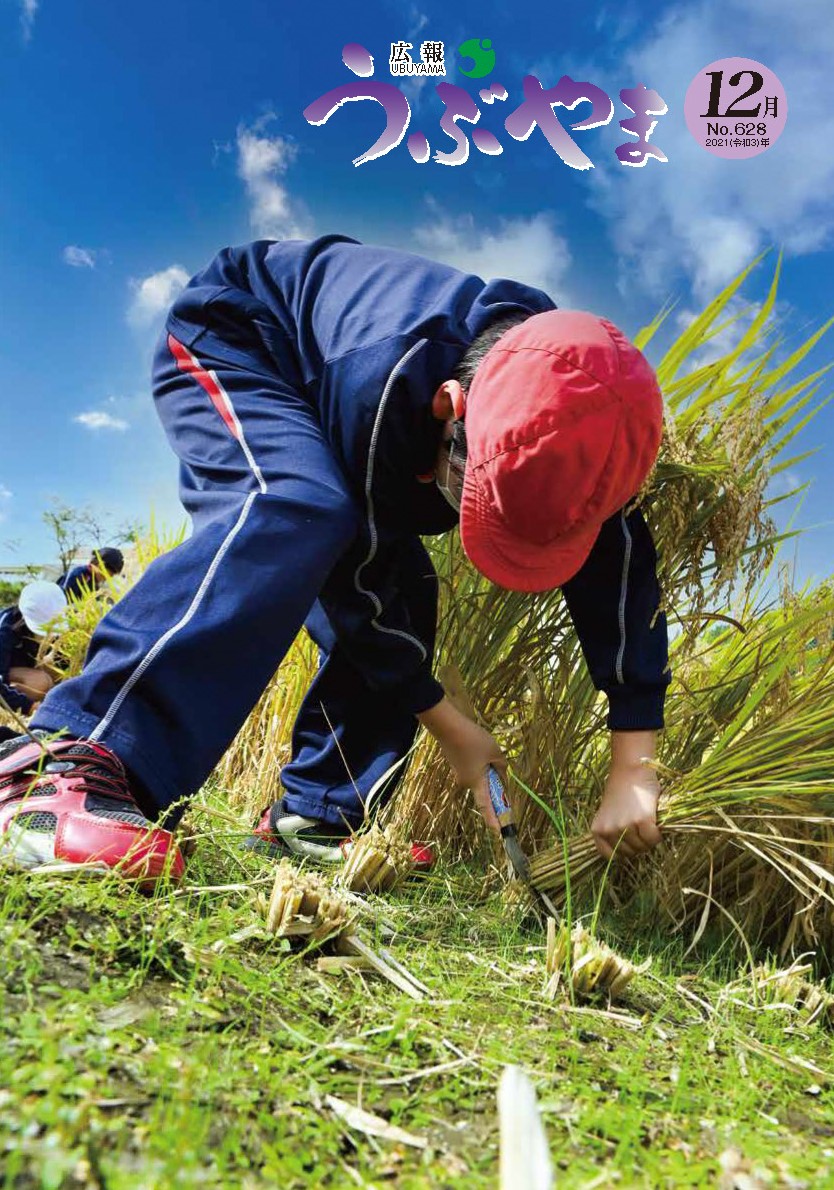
(449, 401)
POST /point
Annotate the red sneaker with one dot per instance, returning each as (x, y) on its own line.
(423, 856)
(66, 804)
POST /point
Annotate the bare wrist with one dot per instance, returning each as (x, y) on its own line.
(631, 749)
(441, 719)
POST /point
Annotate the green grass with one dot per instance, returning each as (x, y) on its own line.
(141, 1045)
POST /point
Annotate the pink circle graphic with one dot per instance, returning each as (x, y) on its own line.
(736, 107)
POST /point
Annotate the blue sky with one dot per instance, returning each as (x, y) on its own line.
(138, 139)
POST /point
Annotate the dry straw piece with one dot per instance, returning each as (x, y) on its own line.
(790, 989)
(518, 899)
(579, 961)
(302, 905)
(377, 861)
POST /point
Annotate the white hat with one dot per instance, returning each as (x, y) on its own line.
(40, 603)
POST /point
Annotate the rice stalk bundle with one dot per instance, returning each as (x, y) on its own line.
(583, 964)
(517, 898)
(749, 815)
(303, 905)
(377, 861)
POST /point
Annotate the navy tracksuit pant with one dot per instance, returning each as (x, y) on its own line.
(175, 667)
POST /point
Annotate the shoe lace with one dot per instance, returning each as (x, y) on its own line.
(96, 769)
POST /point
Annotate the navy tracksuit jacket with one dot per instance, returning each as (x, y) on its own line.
(17, 648)
(77, 581)
(294, 381)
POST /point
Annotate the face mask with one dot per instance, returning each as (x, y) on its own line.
(448, 495)
(455, 466)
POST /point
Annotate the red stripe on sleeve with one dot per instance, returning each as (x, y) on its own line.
(186, 362)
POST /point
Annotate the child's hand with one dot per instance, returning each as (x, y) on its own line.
(626, 821)
(469, 749)
(470, 753)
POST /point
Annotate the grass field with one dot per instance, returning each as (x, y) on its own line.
(146, 1043)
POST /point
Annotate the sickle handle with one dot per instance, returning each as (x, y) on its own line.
(500, 802)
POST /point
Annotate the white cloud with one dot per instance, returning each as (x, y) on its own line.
(96, 419)
(153, 295)
(704, 217)
(785, 483)
(524, 249)
(5, 493)
(414, 87)
(262, 162)
(417, 22)
(617, 22)
(79, 258)
(28, 9)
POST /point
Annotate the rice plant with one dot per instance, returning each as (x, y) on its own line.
(729, 426)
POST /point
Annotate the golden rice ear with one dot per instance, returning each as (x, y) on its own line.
(302, 905)
(377, 862)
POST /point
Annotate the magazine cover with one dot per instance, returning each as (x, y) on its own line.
(416, 615)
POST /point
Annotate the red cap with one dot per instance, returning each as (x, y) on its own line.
(563, 423)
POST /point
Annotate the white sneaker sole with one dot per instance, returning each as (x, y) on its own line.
(34, 851)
